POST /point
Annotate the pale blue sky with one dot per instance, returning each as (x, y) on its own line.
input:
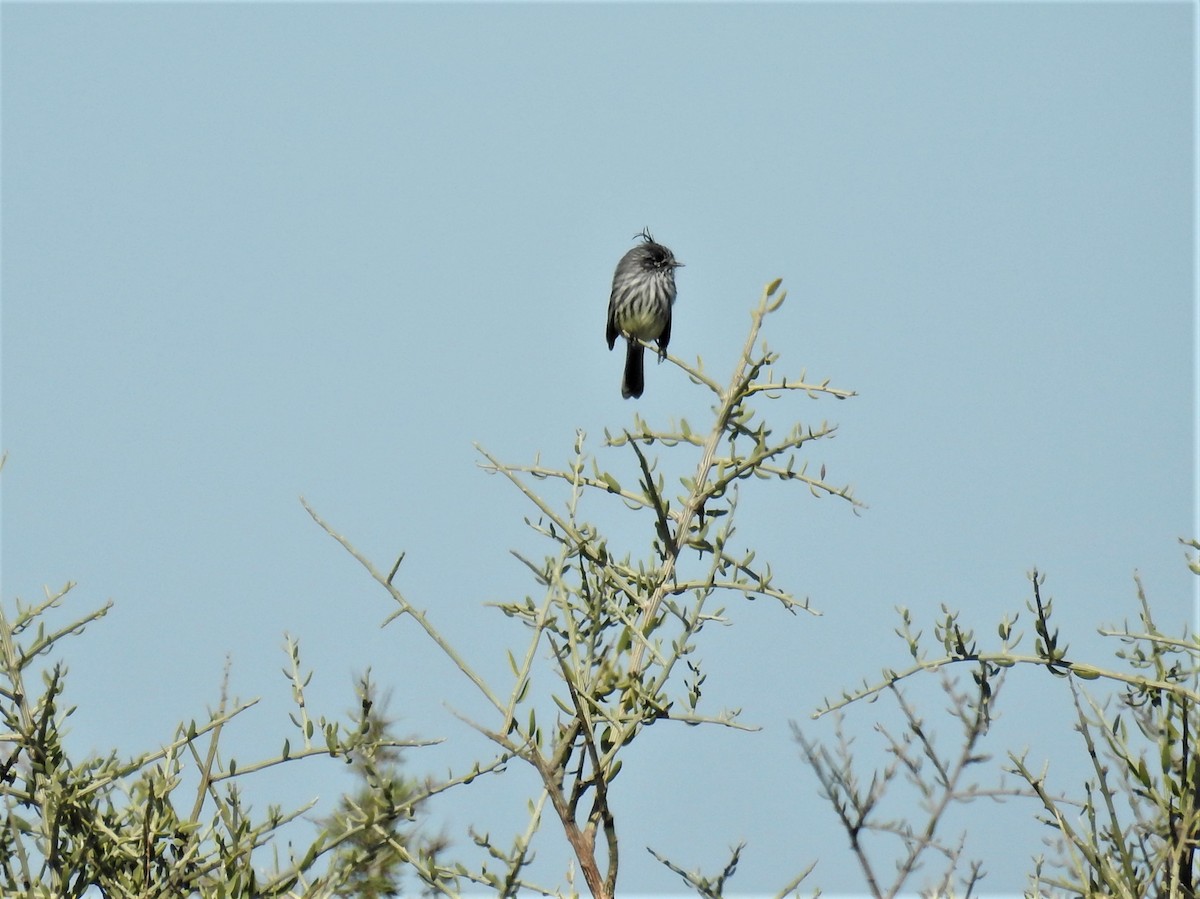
(254, 252)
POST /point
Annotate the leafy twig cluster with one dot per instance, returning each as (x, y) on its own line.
(1136, 829)
(620, 633)
(134, 827)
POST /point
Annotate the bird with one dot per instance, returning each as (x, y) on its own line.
(639, 307)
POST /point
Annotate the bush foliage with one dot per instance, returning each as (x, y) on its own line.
(607, 649)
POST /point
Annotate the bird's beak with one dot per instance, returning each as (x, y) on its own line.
(677, 264)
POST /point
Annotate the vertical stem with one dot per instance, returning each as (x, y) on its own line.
(700, 488)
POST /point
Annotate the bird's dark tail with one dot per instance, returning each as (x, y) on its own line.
(634, 380)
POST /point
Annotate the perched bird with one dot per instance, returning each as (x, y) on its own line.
(639, 308)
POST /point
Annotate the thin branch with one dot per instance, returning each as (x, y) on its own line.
(406, 608)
